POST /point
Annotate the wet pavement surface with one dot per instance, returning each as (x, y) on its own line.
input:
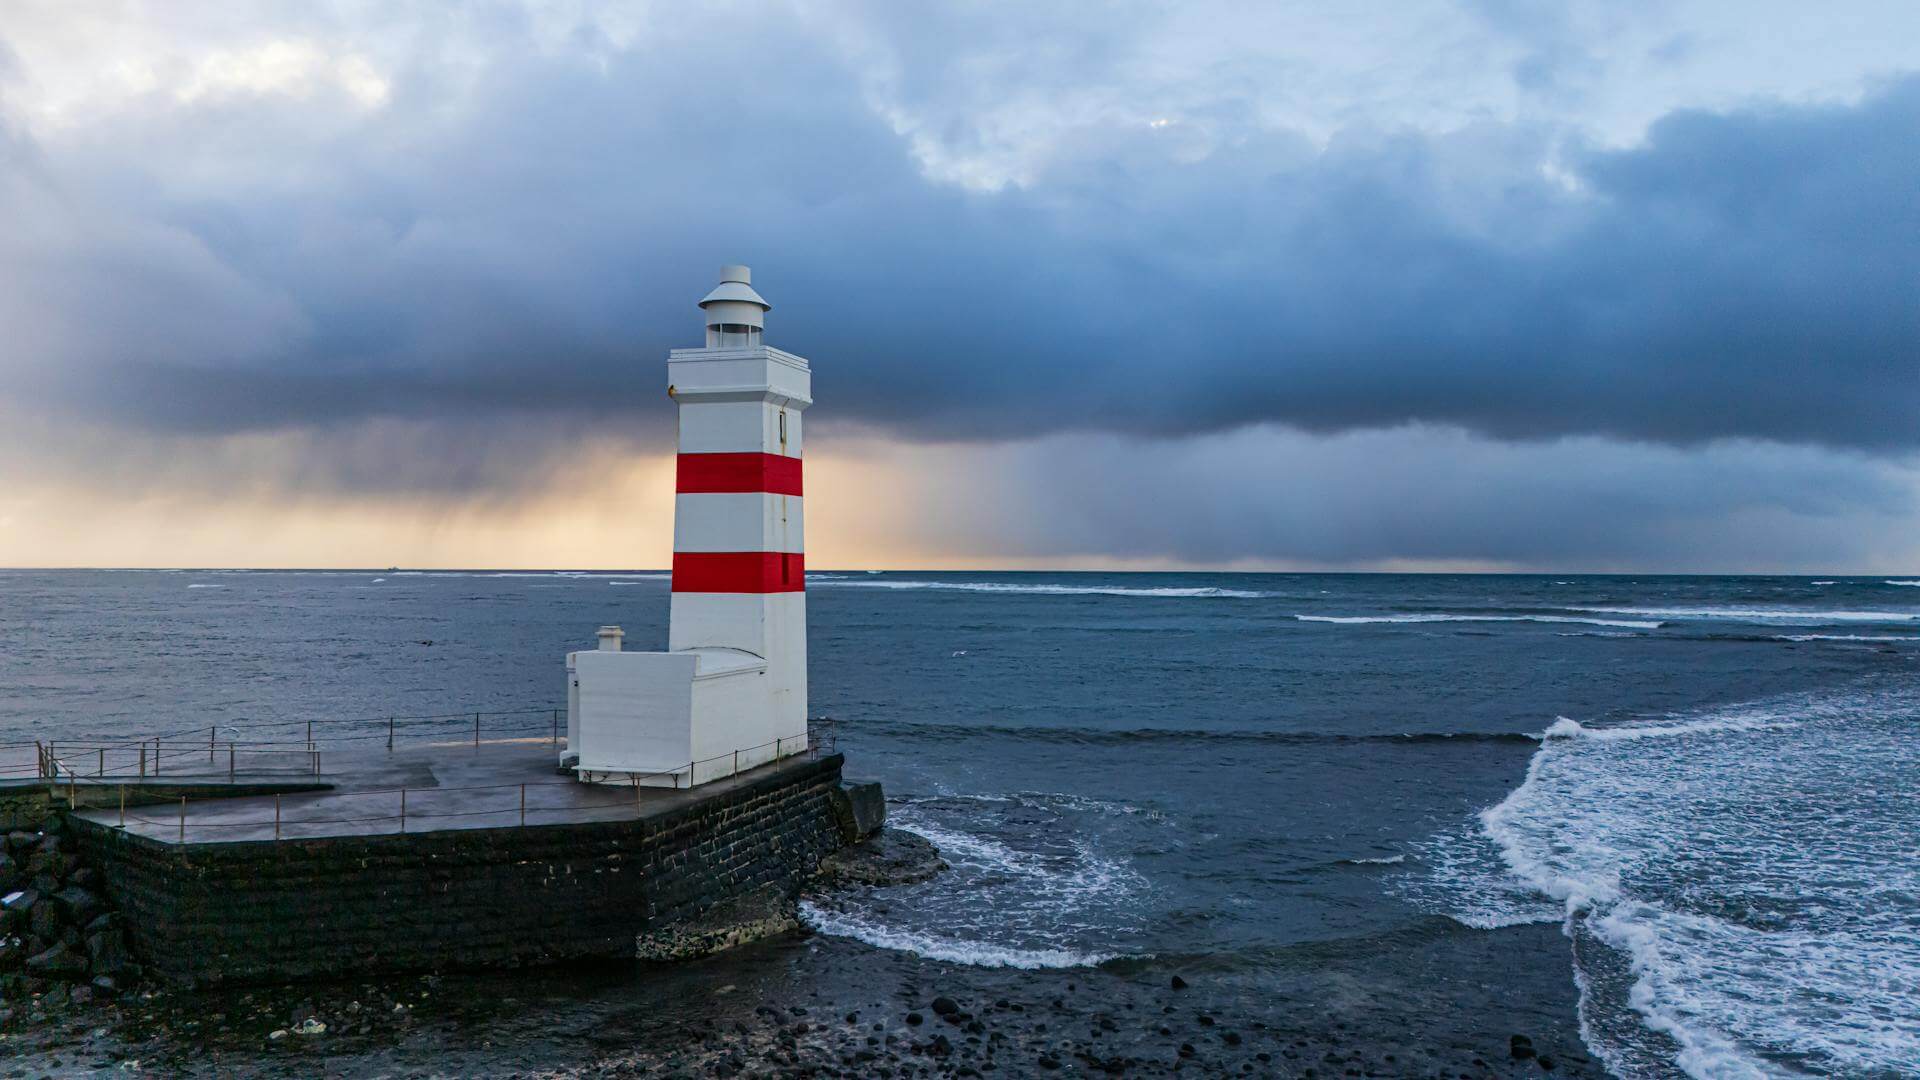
(415, 789)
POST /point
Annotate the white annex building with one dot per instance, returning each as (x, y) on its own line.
(730, 692)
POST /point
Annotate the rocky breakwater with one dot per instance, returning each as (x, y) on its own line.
(61, 943)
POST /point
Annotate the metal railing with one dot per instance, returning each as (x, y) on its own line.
(819, 740)
(153, 755)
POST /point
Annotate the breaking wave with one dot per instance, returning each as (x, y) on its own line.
(1744, 898)
(1435, 617)
(1022, 897)
(1813, 618)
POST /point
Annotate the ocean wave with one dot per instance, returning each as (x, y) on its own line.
(1123, 736)
(1760, 614)
(1845, 637)
(1030, 883)
(203, 586)
(1436, 617)
(1209, 593)
(953, 950)
(1738, 880)
(1910, 584)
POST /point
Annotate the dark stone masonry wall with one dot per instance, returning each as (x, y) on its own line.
(677, 882)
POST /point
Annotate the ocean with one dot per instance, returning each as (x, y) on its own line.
(1710, 786)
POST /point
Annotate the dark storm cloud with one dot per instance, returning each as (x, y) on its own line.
(256, 264)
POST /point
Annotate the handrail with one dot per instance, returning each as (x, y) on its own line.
(813, 747)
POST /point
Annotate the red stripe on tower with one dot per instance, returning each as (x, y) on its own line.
(701, 474)
(739, 572)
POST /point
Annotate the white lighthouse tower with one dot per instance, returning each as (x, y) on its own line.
(730, 692)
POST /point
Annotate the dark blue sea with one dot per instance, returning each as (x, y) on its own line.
(1711, 784)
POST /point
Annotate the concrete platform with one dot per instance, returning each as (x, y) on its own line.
(430, 788)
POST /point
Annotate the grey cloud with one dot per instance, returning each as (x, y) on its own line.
(530, 247)
(1440, 496)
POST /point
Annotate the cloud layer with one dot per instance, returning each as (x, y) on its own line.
(440, 250)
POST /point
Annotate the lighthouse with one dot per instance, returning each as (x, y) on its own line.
(730, 692)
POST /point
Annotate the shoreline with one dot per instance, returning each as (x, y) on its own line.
(1435, 1000)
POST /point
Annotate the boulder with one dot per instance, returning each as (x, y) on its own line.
(78, 905)
(15, 908)
(62, 961)
(860, 810)
(45, 920)
(10, 872)
(107, 952)
(50, 865)
(19, 844)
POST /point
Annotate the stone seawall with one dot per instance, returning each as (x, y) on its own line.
(687, 878)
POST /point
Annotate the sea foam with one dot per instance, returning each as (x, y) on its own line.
(1743, 614)
(1439, 617)
(1022, 897)
(1754, 872)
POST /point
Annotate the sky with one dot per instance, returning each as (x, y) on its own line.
(1461, 285)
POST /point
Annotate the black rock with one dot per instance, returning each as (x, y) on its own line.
(104, 985)
(106, 920)
(79, 905)
(107, 952)
(1178, 983)
(1048, 1061)
(914, 1019)
(19, 843)
(60, 961)
(9, 871)
(1522, 1051)
(1187, 1050)
(941, 1047)
(945, 1006)
(1544, 1062)
(45, 920)
(1232, 1038)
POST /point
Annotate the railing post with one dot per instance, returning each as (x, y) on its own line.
(309, 734)
(73, 790)
(143, 761)
(389, 734)
(123, 806)
(736, 763)
(101, 768)
(211, 735)
(403, 809)
(476, 729)
(230, 763)
(183, 819)
(556, 727)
